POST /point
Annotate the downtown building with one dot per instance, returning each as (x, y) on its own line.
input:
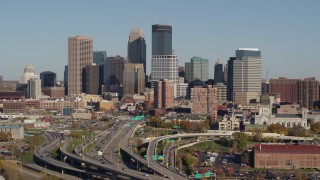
(90, 79)
(163, 94)
(308, 92)
(164, 64)
(48, 79)
(137, 48)
(80, 55)
(286, 88)
(218, 72)
(197, 69)
(34, 88)
(247, 75)
(204, 100)
(113, 73)
(133, 79)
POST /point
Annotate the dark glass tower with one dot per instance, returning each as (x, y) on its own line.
(161, 39)
(230, 79)
(218, 72)
(137, 48)
(48, 79)
(99, 57)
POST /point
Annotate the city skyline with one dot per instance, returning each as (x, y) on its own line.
(286, 32)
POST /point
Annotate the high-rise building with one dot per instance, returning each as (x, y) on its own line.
(99, 57)
(28, 73)
(161, 39)
(197, 68)
(204, 100)
(164, 67)
(65, 80)
(286, 88)
(48, 79)
(133, 79)
(137, 48)
(225, 74)
(308, 92)
(230, 79)
(90, 77)
(163, 94)
(34, 88)
(164, 64)
(80, 54)
(218, 72)
(221, 92)
(113, 71)
(181, 71)
(247, 75)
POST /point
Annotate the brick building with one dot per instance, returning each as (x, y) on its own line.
(163, 94)
(287, 88)
(53, 92)
(283, 156)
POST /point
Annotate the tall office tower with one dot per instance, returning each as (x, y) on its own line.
(225, 74)
(204, 100)
(48, 79)
(1, 83)
(247, 75)
(181, 71)
(164, 64)
(221, 92)
(230, 79)
(113, 71)
(218, 72)
(133, 79)
(90, 78)
(286, 88)
(163, 94)
(28, 73)
(99, 57)
(161, 39)
(34, 88)
(80, 54)
(197, 68)
(65, 80)
(308, 92)
(137, 48)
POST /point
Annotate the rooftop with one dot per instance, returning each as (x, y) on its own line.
(287, 149)
(288, 116)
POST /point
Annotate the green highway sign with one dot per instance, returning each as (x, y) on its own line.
(198, 176)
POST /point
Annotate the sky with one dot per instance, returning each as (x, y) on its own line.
(287, 32)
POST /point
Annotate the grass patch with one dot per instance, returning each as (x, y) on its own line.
(27, 158)
(54, 152)
(74, 143)
(89, 147)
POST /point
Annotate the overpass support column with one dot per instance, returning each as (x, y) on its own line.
(114, 176)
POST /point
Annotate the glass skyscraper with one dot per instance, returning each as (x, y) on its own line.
(197, 69)
(161, 39)
(137, 48)
(99, 57)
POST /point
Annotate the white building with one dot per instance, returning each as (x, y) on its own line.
(180, 90)
(34, 88)
(265, 116)
(229, 123)
(28, 73)
(164, 67)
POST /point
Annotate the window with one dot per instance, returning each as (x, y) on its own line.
(288, 163)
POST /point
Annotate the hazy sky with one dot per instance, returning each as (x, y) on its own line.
(287, 31)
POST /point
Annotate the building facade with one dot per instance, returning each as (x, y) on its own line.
(204, 100)
(247, 75)
(161, 39)
(54, 92)
(229, 123)
(221, 92)
(133, 79)
(137, 48)
(284, 156)
(99, 57)
(164, 67)
(80, 54)
(48, 79)
(113, 71)
(218, 72)
(197, 68)
(34, 88)
(286, 88)
(230, 79)
(163, 94)
(308, 92)
(90, 78)
(28, 73)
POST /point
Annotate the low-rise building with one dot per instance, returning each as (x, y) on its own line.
(283, 156)
(17, 132)
(229, 123)
(81, 115)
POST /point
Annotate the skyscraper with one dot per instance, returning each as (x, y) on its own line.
(48, 79)
(197, 68)
(34, 88)
(247, 75)
(163, 94)
(80, 54)
(218, 72)
(137, 48)
(113, 71)
(65, 80)
(28, 73)
(308, 92)
(99, 57)
(133, 79)
(164, 64)
(161, 39)
(90, 84)
(286, 88)
(230, 79)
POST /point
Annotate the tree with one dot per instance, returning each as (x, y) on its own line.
(257, 136)
(315, 127)
(5, 136)
(241, 139)
(278, 128)
(297, 131)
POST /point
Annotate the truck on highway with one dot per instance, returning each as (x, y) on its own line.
(100, 153)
